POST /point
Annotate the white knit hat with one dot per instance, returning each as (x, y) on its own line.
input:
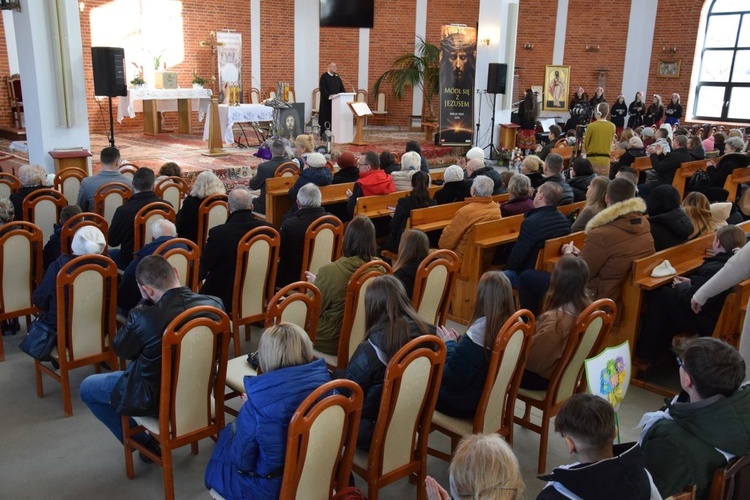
(453, 173)
(316, 160)
(475, 154)
(88, 240)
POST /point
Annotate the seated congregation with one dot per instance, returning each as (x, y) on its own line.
(354, 289)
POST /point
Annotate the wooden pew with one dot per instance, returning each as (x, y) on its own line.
(552, 250)
(737, 177)
(278, 202)
(382, 205)
(439, 216)
(571, 207)
(686, 171)
(729, 326)
(334, 193)
(566, 152)
(642, 163)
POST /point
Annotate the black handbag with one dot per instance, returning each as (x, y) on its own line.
(40, 341)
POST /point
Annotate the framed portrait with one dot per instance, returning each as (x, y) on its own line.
(668, 69)
(556, 88)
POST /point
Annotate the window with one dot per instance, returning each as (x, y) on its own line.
(723, 83)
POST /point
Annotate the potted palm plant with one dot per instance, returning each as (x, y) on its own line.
(418, 69)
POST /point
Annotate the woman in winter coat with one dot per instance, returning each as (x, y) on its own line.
(521, 196)
(455, 187)
(668, 312)
(566, 298)
(581, 175)
(391, 322)
(316, 173)
(205, 185)
(634, 150)
(698, 210)
(636, 110)
(402, 175)
(670, 225)
(248, 460)
(468, 356)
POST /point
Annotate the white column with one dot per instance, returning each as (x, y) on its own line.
(306, 52)
(638, 47)
(10, 41)
(420, 30)
(364, 59)
(255, 44)
(40, 79)
(561, 29)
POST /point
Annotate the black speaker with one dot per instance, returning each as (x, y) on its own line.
(109, 71)
(496, 78)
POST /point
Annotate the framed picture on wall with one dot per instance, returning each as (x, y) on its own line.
(668, 69)
(556, 88)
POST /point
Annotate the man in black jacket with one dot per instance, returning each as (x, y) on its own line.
(541, 223)
(293, 231)
(266, 171)
(552, 170)
(135, 392)
(476, 167)
(664, 165)
(219, 257)
(121, 232)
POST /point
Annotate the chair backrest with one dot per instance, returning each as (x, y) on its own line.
(172, 190)
(361, 95)
(128, 170)
(109, 197)
(86, 304)
(14, 89)
(21, 246)
(192, 393)
(187, 261)
(353, 324)
(271, 93)
(585, 340)
(254, 96)
(323, 241)
(212, 212)
(76, 222)
(9, 184)
(145, 217)
(297, 303)
(733, 481)
(255, 272)
(687, 493)
(410, 389)
(42, 208)
(380, 107)
(316, 99)
(507, 362)
(287, 169)
(433, 285)
(68, 182)
(323, 429)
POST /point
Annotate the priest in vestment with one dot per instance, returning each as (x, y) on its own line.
(330, 84)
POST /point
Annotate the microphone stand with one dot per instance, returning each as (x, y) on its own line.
(479, 118)
(346, 82)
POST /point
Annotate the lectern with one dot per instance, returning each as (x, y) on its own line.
(342, 119)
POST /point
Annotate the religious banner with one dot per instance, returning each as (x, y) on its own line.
(458, 56)
(230, 61)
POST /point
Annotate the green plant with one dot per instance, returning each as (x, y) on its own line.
(419, 69)
(138, 80)
(197, 80)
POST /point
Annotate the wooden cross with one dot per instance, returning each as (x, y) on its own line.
(212, 44)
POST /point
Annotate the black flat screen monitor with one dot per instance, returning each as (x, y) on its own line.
(347, 13)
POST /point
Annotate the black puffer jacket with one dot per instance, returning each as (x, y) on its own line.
(579, 185)
(539, 225)
(453, 191)
(567, 192)
(492, 174)
(670, 228)
(136, 393)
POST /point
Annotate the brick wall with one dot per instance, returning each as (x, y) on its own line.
(6, 119)
(536, 26)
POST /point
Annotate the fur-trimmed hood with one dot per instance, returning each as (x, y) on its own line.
(609, 214)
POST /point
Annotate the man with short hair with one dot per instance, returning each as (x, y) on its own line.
(329, 85)
(476, 167)
(265, 171)
(481, 208)
(552, 170)
(704, 426)
(293, 231)
(372, 180)
(122, 231)
(109, 157)
(665, 165)
(628, 173)
(602, 470)
(135, 392)
(219, 257)
(555, 132)
(128, 294)
(541, 223)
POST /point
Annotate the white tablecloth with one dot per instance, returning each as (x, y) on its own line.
(166, 101)
(244, 113)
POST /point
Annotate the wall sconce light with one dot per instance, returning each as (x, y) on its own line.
(669, 50)
(528, 46)
(486, 40)
(592, 48)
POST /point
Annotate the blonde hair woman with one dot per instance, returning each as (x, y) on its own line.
(484, 467)
(303, 146)
(205, 185)
(698, 209)
(594, 202)
(531, 167)
(32, 177)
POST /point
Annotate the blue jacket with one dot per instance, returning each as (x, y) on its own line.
(318, 176)
(539, 225)
(45, 295)
(254, 445)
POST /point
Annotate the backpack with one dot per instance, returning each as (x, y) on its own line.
(700, 179)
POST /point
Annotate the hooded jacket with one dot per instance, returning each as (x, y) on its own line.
(370, 183)
(622, 477)
(670, 228)
(683, 448)
(615, 237)
(254, 445)
(479, 209)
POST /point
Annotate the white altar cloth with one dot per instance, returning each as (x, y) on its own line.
(166, 101)
(244, 113)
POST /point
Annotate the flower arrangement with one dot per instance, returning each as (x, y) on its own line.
(138, 80)
(503, 156)
(197, 80)
(612, 380)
